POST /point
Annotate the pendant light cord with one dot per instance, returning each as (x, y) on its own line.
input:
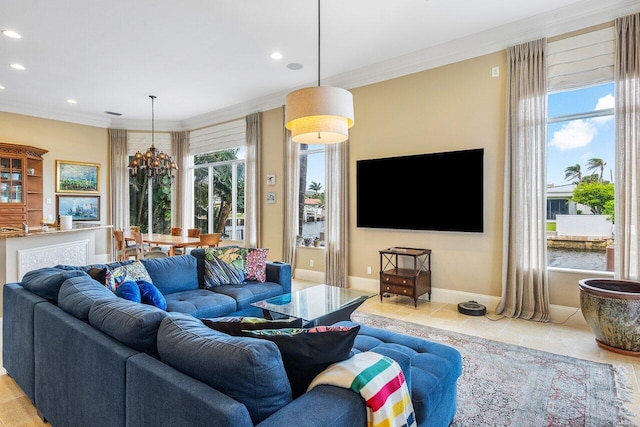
(318, 42)
(152, 121)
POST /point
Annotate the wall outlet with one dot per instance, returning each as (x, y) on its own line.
(368, 269)
(48, 200)
(495, 72)
(310, 263)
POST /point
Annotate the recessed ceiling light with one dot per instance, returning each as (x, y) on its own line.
(276, 55)
(12, 34)
(1, 87)
(17, 66)
(72, 101)
(295, 66)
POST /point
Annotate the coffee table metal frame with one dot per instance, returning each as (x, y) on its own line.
(316, 305)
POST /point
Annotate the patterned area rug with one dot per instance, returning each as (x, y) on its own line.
(509, 385)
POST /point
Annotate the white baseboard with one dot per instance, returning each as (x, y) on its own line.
(559, 313)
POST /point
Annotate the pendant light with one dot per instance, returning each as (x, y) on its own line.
(321, 114)
(153, 162)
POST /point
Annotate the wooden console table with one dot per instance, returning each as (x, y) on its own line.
(411, 282)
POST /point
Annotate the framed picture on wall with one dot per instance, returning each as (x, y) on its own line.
(81, 208)
(77, 177)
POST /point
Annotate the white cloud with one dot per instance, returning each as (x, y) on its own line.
(605, 102)
(574, 134)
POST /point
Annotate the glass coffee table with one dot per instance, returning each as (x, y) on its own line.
(316, 305)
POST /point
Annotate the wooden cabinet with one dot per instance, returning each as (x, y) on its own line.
(21, 186)
(405, 271)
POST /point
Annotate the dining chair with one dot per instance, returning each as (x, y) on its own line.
(132, 228)
(123, 252)
(210, 240)
(191, 232)
(176, 231)
(140, 249)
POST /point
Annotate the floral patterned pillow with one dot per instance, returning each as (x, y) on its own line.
(234, 265)
(255, 264)
(134, 272)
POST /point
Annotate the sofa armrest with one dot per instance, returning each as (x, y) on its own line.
(280, 272)
(325, 405)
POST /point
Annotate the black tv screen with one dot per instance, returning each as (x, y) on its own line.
(436, 191)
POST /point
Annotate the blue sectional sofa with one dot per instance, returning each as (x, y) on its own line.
(84, 356)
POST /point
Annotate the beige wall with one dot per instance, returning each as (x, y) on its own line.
(458, 106)
(65, 141)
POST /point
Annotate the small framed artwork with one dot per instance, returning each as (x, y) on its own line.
(81, 208)
(77, 177)
(271, 179)
(271, 197)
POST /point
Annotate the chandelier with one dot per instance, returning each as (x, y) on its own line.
(320, 114)
(153, 162)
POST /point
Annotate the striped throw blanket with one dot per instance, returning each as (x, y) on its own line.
(380, 382)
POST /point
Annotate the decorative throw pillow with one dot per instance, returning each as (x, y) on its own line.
(134, 272)
(245, 263)
(129, 290)
(98, 274)
(255, 264)
(151, 295)
(307, 352)
(234, 325)
(222, 268)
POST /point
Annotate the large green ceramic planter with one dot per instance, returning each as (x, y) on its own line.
(612, 311)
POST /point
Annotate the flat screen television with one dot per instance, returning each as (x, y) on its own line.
(435, 191)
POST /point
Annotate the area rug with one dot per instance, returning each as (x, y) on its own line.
(513, 386)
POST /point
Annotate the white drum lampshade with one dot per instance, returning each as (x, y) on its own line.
(319, 115)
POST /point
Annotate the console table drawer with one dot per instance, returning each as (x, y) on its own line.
(396, 280)
(397, 290)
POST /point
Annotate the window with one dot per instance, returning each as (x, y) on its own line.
(311, 198)
(580, 177)
(218, 192)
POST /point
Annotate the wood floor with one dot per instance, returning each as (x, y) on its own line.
(572, 338)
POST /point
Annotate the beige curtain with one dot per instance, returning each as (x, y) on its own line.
(525, 292)
(291, 198)
(627, 115)
(180, 188)
(119, 176)
(337, 214)
(252, 181)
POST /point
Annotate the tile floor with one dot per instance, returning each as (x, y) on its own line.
(572, 338)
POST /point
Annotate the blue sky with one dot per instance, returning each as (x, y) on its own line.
(577, 141)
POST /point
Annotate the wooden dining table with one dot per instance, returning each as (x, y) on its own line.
(165, 240)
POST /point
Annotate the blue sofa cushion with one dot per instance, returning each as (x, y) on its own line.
(149, 294)
(130, 291)
(173, 274)
(46, 282)
(200, 303)
(77, 294)
(307, 352)
(135, 325)
(249, 292)
(248, 370)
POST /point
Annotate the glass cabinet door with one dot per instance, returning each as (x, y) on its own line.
(11, 180)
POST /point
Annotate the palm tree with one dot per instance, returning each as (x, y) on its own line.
(573, 173)
(315, 187)
(596, 164)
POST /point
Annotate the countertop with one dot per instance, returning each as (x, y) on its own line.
(33, 231)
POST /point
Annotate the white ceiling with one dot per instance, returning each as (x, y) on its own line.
(209, 60)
